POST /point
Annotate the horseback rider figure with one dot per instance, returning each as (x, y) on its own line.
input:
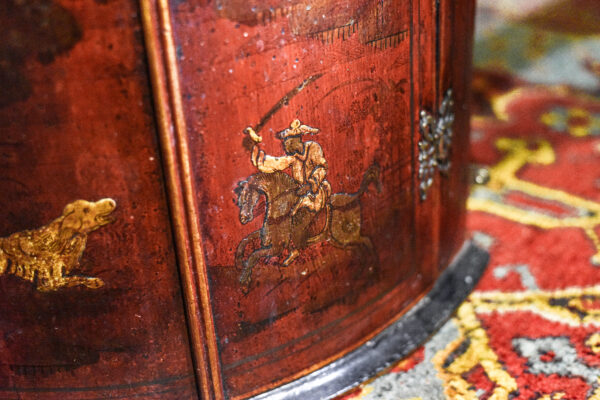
(309, 171)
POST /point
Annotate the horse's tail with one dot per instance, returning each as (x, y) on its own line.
(371, 176)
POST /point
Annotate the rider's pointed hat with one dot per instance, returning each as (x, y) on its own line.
(296, 129)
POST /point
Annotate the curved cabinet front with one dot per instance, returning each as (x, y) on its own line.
(229, 199)
(319, 149)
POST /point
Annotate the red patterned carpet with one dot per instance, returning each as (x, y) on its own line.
(531, 329)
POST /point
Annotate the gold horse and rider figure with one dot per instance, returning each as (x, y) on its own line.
(294, 201)
(307, 163)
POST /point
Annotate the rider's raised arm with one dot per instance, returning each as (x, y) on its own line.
(268, 164)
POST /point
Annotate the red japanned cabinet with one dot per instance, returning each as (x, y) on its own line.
(225, 199)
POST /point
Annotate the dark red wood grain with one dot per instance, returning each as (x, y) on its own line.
(456, 44)
(85, 130)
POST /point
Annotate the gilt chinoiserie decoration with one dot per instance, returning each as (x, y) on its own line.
(300, 208)
(291, 186)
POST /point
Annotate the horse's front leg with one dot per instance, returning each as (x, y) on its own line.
(252, 260)
(239, 254)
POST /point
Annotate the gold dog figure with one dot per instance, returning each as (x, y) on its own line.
(47, 255)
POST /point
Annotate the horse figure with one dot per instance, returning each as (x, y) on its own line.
(283, 231)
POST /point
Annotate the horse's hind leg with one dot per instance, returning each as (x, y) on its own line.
(252, 260)
(294, 253)
(239, 254)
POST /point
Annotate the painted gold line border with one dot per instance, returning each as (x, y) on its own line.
(173, 138)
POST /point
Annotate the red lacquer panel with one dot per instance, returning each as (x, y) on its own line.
(76, 122)
(342, 69)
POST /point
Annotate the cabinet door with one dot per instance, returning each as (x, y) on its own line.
(90, 305)
(291, 133)
(455, 54)
(443, 60)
